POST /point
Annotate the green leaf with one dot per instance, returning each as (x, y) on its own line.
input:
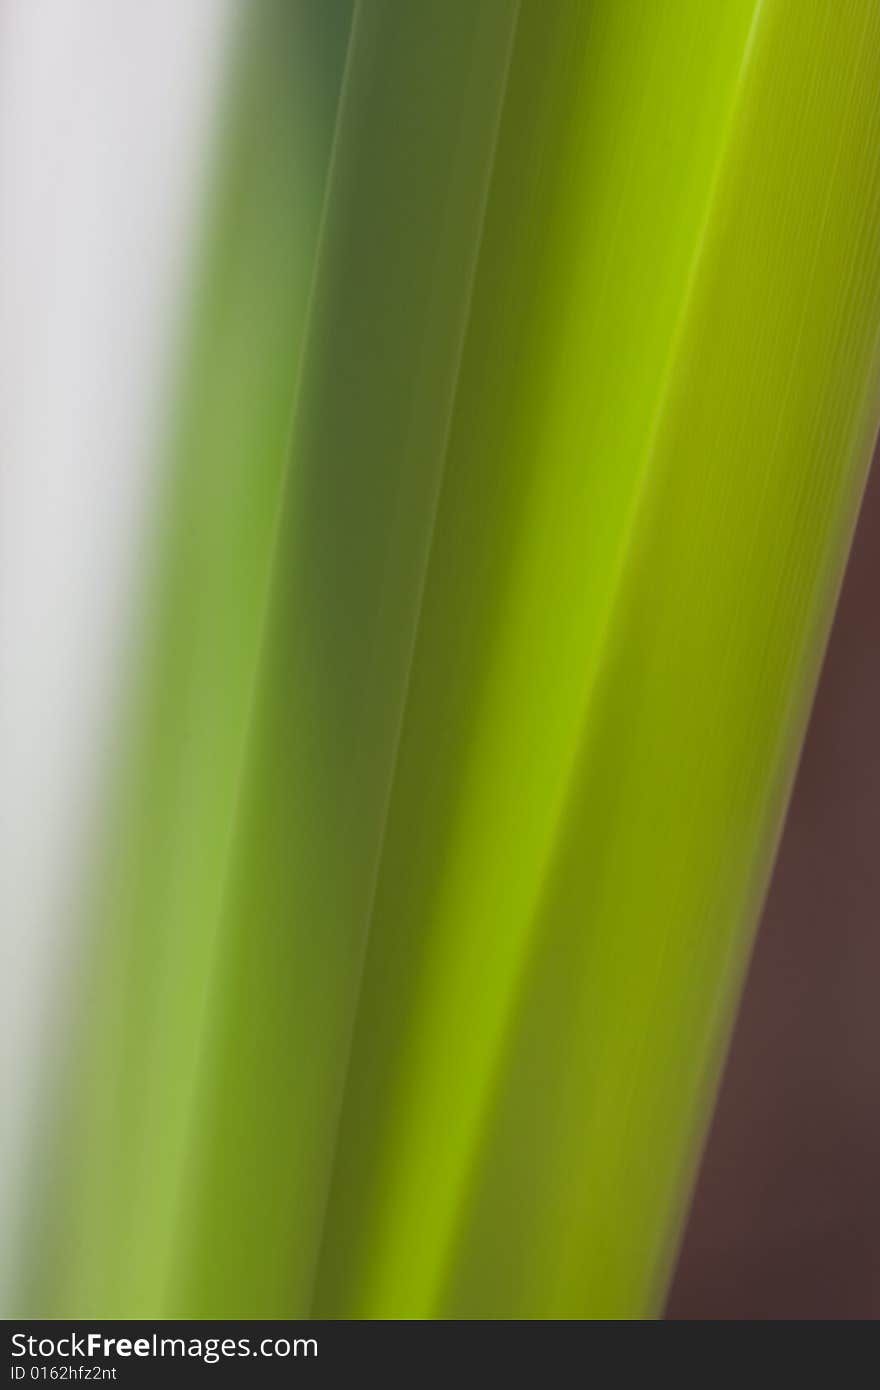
(116, 1179)
(460, 787)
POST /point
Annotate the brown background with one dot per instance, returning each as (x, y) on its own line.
(786, 1217)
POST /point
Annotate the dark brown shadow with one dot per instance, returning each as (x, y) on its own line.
(785, 1222)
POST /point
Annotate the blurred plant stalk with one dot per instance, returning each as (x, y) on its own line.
(469, 736)
(115, 1183)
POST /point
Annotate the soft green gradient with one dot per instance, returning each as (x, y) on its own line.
(414, 150)
(466, 737)
(158, 902)
(684, 759)
(632, 575)
(585, 266)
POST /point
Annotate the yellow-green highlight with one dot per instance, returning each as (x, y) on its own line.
(442, 862)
